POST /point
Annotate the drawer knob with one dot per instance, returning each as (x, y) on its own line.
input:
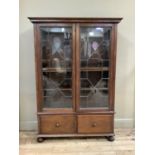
(94, 125)
(57, 125)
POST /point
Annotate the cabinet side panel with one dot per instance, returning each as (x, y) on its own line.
(114, 62)
(113, 66)
(38, 67)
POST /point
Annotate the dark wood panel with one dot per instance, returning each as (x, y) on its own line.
(39, 93)
(57, 124)
(95, 124)
(74, 67)
(77, 41)
(114, 65)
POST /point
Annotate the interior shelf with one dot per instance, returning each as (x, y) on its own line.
(53, 89)
(57, 69)
(71, 89)
(91, 69)
(94, 69)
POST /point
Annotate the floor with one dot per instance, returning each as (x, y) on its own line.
(123, 145)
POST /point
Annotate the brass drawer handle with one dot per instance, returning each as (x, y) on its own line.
(57, 125)
(94, 125)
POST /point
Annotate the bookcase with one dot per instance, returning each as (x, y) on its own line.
(75, 62)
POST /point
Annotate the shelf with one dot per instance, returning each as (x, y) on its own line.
(53, 89)
(66, 89)
(93, 87)
(83, 69)
(92, 69)
(52, 96)
(58, 69)
(49, 60)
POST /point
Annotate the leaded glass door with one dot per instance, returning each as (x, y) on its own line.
(94, 66)
(57, 63)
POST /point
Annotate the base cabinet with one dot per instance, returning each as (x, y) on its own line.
(75, 62)
(80, 124)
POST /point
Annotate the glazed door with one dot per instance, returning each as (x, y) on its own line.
(94, 52)
(57, 67)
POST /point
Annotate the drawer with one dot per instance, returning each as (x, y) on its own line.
(57, 124)
(95, 123)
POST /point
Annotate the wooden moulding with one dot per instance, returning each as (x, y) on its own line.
(75, 135)
(73, 20)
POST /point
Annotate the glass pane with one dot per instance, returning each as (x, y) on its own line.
(94, 62)
(57, 66)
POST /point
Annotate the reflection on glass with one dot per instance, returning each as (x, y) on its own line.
(94, 62)
(57, 66)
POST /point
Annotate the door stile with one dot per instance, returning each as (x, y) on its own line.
(38, 68)
(77, 67)
(74, 66)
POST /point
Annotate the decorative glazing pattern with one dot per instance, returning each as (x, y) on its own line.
(57, 66)
(94, 62)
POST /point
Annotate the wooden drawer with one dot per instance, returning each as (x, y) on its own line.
(95, 124)
(57, 124)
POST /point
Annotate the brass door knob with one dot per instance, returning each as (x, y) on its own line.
(57, 125)
(94, 125)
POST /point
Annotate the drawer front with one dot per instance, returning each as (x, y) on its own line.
(95, 124)
(57, 124)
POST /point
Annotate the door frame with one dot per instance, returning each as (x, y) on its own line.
(112, 64)
(38, 66)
